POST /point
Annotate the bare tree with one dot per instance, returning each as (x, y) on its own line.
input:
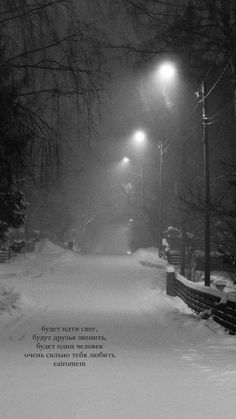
(51, 50)
(200, 36)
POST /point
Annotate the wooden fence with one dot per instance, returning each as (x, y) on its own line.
(204, 303)
(174, 258)
(7, 254)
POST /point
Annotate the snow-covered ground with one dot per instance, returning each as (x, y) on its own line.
(151, 357)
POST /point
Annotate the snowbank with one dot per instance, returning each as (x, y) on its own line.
(9, 300)
(220, 280)
(156, 340)
(47, 247)
(149, 256)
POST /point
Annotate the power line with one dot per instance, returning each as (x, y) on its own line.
(219, 78)
(227, 106)
(203, 98)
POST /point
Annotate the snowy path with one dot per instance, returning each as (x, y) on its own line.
(168, 363)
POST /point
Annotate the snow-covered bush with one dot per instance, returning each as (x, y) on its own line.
(9, 300)
(17, 246)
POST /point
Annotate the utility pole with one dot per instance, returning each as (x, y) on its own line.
(205, 140)
(160, 148)
(142, 200)
(183, 221)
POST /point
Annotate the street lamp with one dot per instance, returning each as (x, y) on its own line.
(160, 148)
(139, 137)
(122, 167)
(125, 160)
(207, 198)
(166, 71)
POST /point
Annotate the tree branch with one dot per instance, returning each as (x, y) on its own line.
(31, 11)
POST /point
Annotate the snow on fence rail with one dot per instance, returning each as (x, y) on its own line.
(205, 303)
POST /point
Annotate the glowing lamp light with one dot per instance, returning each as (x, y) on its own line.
(167, 71)
(125, 160)
(139, 137)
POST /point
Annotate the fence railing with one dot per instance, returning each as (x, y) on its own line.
(206, 304)
(174, 258)
(10, 251)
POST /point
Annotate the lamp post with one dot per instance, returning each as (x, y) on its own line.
(160, 148)
(139, 140)
(166, 73)
(207, 186)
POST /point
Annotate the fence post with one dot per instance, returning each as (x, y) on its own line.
(170, 281)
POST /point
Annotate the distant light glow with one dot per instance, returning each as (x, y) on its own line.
(139, 137)
(125, 160)
(167, 71)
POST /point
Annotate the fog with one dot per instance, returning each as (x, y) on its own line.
(93, 190)
(93, 184)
